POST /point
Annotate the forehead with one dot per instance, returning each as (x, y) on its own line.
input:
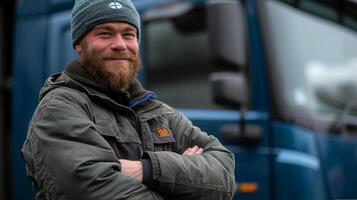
(120, 26)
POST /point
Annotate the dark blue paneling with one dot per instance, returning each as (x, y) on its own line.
(298, 170)
(213, 120)
(252, 164)
(36, 7)
(257, 68)
(29, 55)
(298, 176)
(339, 155)
(60, 42)
(288, 136)
(60, 5)
(31, 7)
(145, 4)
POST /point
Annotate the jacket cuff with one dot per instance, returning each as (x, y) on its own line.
(147, 171)
(156, 170)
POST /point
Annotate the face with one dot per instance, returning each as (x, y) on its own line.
(109, 54)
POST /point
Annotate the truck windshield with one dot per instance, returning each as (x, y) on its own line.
(313, 55)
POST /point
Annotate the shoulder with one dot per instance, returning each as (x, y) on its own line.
(62, 100)
(65, 95)
(156, 108)
(167, 113)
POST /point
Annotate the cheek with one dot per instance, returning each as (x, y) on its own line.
(95, 47)
(133, 48)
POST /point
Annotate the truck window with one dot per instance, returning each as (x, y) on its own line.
(315, 55)
(176, 60)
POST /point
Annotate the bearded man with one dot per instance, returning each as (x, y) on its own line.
(98, 134)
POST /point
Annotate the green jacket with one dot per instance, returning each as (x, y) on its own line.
(79, 131)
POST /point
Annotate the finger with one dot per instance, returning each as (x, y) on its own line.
(199, 151)
(193, 151)
(187, 152)
(195, 148)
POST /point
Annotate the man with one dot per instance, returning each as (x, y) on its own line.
(97, 134)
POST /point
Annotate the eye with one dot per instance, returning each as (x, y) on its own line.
(129, 35)
(104, 34)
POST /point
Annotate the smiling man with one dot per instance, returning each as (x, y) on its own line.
(98, 134)
(110, 54)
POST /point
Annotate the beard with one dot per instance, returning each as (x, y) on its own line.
(112, 75)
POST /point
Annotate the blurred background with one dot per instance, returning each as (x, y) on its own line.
(7, 12)
(274, 80)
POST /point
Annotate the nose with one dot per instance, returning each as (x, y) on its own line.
(118, 44)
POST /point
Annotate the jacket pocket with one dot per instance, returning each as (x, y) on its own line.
(162, 138)
(122, 138)
(123, 133)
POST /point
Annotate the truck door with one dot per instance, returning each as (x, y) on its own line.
(181, 54)
(311, 47)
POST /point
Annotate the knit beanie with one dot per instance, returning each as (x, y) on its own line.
(87, 14)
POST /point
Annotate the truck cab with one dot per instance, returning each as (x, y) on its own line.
(272, 79)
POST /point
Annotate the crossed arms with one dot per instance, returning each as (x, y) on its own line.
(66, 155)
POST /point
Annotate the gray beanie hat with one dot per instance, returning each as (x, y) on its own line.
(87, 14)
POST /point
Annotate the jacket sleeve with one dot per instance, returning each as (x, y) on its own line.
(209, 175)
(66, 155)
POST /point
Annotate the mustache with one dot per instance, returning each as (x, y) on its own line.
(120, 55)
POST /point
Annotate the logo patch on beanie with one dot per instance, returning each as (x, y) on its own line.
(115, 5)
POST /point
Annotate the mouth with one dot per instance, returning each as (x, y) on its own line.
(118, 59)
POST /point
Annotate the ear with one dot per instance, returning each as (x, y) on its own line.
(78, 48)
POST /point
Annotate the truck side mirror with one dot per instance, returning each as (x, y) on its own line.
(226, 27)
(231, 89)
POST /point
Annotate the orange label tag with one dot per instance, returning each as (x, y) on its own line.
(163, 132)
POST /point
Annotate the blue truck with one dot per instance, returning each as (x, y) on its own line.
(274, 80)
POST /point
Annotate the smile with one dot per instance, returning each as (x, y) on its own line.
(118, 59)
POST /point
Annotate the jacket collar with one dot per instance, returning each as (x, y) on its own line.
(133, 97)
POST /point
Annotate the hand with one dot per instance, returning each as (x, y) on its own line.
(193, 151)
(132, 168)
